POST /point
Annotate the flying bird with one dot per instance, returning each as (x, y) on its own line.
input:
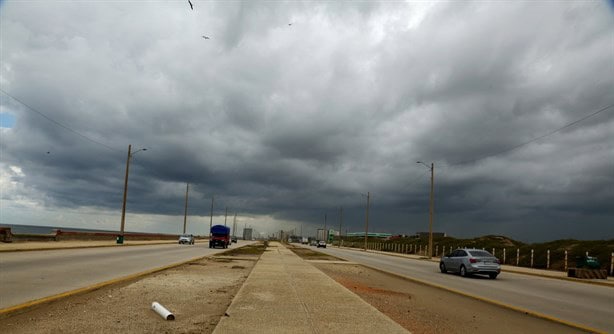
(205, 37)
(289, 24)
(191, 5)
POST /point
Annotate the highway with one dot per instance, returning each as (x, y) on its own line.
(579, 303)
(31, 275)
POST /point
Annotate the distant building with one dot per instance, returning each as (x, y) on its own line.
(247, 233)
(320, 234)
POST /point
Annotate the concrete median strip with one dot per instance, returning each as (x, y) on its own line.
(285, 294)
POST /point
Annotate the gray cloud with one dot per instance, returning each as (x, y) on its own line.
(290, 122)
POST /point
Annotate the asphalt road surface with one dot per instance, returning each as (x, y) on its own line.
(27, 276)
(579, 303)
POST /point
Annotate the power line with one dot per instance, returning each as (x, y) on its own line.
(532, 140)
(58, 123)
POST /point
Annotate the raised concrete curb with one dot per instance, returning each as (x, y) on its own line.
(285, 294)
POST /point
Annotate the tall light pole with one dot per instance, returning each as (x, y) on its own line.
(325, 231)
(367, 220)
(225, 216)
(185, 212)
(120, 238)
(432, 169)
(211, 218)
(234, 226)
(340, 222)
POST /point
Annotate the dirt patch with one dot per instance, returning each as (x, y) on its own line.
(197, 293)
(424, 309)
(309, 254)
(249, 250)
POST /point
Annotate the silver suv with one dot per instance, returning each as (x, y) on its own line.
(470, 261)
(186, 239)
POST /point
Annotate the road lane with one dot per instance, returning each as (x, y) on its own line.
(584, 304)
(27, 276)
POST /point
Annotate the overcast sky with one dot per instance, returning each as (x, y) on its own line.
(288, 111)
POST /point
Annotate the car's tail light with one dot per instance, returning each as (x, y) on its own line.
(472, 260)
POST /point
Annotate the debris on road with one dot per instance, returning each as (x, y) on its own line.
(162, 311)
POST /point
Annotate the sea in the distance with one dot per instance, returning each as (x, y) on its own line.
(34, 229)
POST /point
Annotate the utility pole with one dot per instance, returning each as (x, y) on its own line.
(225, 216)
(431, 212)
(185, 212)
(340, 222)
(431, 207)
(234, 226)
(367, 220)
(120, 238)
(211, 219)
(325, 231)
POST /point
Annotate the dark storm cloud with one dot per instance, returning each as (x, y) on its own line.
(292, 122)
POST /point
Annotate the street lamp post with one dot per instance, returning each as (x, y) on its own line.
(120, 238)
(367, 220)
(432, 169)
(185, 212)
(325, 231)
(211, 217)
(340, 222)
(225, 216)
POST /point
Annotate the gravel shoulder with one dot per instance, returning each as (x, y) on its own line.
(423, 309)
(197, 293)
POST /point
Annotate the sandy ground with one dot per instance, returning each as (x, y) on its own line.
(197, 293)
(422, 309)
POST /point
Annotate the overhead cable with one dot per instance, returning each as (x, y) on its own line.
(58, 123)
(532, 140)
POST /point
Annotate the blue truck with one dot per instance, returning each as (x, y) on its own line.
(220, 236)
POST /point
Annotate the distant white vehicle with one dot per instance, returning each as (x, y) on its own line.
(304, 241)
(186, 239)
(322, 244)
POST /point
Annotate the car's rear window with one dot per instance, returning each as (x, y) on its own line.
(480, 253)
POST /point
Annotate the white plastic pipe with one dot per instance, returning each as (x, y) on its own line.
(163, 312)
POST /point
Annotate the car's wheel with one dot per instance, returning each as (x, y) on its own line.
(493, 275)
(442, 267)
(463, 271)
